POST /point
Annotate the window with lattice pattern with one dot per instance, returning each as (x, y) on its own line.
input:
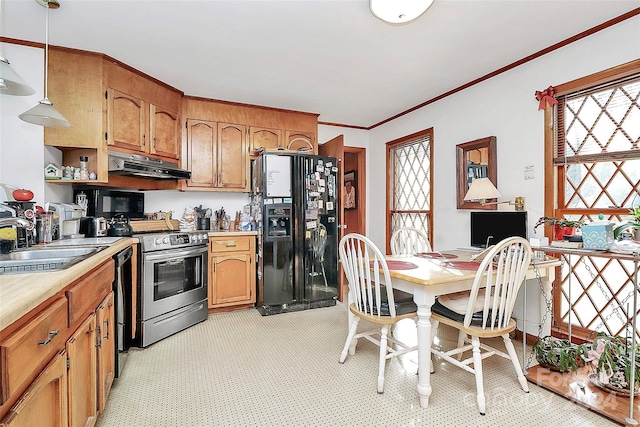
(597, 164)
(409, 200)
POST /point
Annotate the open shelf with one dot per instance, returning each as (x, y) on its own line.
(576, 387)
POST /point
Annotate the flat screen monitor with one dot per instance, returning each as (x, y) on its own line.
(496, 226)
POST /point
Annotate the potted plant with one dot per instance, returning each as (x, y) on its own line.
(561, 226)
(634, 224)
(559, 354)
(610, 358)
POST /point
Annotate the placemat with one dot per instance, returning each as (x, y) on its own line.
(436, 255)
(462, 265)
(399, 265)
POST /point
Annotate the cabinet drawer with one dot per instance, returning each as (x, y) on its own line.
(85, 296)
(230, 244)
(28, 349)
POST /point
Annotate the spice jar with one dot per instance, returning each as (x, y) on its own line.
(84, 167)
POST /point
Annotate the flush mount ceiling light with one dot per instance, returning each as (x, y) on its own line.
(398, 11)
(44, 114)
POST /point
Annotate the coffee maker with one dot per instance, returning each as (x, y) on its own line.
(66, 220)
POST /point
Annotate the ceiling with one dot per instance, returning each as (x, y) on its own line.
(333, 58)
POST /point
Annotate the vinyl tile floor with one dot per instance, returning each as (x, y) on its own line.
(242, 369)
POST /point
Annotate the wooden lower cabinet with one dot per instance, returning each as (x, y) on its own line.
(57, 364)
(44, 403)
(106, 357)
(82, 375)
(231, 271)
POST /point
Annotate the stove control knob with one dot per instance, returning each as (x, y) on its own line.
(165, 240)
(158, 241)
(204, 236)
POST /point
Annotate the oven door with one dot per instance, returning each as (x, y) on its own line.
(173, 279)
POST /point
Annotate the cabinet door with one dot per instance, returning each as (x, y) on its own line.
(81, 350)
(163, 132)
(296, 140)
(201, 153)
(126, 121)
(27, 350)
(44, 404)
(231, 279)
(232, 156)
(269, 139)
(105, 330)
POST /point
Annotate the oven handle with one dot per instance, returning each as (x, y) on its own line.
(171, 254)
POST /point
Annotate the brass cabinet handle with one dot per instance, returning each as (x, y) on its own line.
(106, 322)
(52, 334)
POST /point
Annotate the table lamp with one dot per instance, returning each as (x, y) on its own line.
(482, 189)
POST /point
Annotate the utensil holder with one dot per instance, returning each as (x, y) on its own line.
(204, 223)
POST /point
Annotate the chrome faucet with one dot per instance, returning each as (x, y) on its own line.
(16, 222)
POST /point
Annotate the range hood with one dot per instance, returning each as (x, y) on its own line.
(143, 166)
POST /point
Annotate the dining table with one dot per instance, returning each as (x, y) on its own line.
(427, 275)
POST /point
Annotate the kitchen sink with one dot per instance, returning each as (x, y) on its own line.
(44, 259)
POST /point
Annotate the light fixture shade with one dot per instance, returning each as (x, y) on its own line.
(10, 82)
(44, 114)
(482, 189)
(399, 11)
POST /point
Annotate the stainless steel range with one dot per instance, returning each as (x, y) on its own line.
(173, 283)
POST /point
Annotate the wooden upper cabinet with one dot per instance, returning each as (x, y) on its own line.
(295, 140)
(164, 132)
(232, 156)
(126, 121)
(269, 139)
(201, 153)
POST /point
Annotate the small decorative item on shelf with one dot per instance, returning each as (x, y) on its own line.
(632, 226)
(52, 171)
(559, 354)
(561, 227)
(610, 358)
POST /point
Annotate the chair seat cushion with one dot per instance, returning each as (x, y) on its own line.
(459, 301)
(476, 318)
(403, 302)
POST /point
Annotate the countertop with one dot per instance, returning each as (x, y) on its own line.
(20, 293)
(232, 233)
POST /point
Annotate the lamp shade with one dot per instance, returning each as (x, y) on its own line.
(482, 189)
(10, 82)
(398, 11)
(44, 114)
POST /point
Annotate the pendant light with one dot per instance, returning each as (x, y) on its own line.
(10, 82)
(44, 114)
(398, 11)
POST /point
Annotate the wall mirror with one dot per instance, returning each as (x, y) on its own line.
(475, 159)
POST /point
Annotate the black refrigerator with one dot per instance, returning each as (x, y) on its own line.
(294, 202)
